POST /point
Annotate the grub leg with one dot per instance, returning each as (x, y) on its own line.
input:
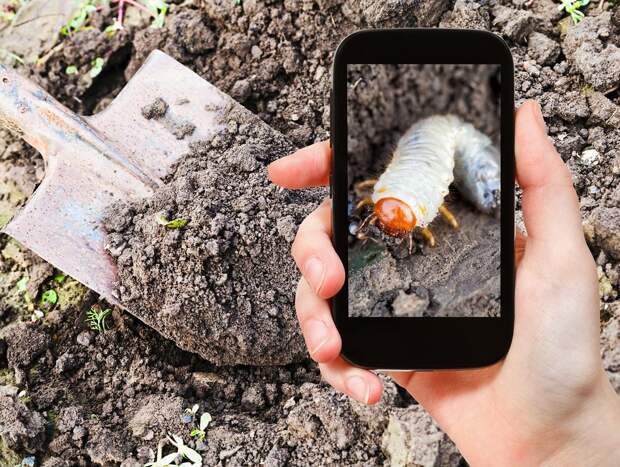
(362, 203)
(448, 216)
(368, 221)
(428, 237)
(364, 186)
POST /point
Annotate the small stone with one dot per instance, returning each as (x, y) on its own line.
(156, 110)
(531, 68)
(515, 24)
(604, 111)
(84, 338)
(65, 363)
(590, 157)
(253, 397)
(256, 52)
(543, 49)
(241, 90)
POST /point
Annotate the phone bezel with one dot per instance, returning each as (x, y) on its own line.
(429, 342)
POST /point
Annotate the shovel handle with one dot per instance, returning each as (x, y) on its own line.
(48, 126)
(29, 111)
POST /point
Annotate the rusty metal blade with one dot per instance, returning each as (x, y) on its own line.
(92, 162)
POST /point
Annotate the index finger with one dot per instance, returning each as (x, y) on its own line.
(305, 168)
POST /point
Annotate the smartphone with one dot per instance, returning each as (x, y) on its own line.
(422, 133)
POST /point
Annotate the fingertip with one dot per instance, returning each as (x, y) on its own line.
(275, 171)
(376, 390)
(328, 350)
(334, 279)
(364, 387)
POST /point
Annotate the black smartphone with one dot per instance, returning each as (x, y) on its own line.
(422, 183)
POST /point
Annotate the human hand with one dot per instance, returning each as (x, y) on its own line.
(549, 401)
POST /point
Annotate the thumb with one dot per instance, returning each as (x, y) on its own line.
(549, 202)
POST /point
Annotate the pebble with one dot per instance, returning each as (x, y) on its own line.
(590, 157)
(84, 338)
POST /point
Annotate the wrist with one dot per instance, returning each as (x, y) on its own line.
(592, 435)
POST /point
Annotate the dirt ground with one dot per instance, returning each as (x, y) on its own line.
(70, 395)
(460, 276)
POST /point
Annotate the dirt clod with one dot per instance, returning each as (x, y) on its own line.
(223, 285)
(157, 109)
(20, 427)
(606, 224)
(589, 45)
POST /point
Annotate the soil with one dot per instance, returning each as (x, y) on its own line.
(460, 276)
(223, 285)
(72, 396)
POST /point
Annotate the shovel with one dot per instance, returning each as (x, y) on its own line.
(92, 162)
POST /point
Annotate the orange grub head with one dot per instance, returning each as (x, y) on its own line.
(395, 217)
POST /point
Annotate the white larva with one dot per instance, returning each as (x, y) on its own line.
(432, 154)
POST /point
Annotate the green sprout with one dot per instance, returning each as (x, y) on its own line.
(158, 9)
(112, 28)
(97, 66)
(49, 297)
(22, 289)
(572, 8)
(178, 223)
(71, 70)
(95, 318)
(185, 451)
(60, 278)
(200, 432)
(80, 18)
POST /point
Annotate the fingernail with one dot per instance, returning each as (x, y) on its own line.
(314, 272)
(358, 388)
(539, 115)
(317, 335)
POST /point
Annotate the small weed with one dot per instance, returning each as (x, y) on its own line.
(95, 318)
(178, 223)
(572, 8)
(60, 278)
(157, 9)
(80, 18)
(71, 70)
(200, 432)
(49, 297)
(96, 67)
(22, 289)
(182, 452)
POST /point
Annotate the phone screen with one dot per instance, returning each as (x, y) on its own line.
(424, 196)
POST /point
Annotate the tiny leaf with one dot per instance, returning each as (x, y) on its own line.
(178, 223)
(49, 297)
(205, 419)
(97, 67)
(71, 70)
(59, 278)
